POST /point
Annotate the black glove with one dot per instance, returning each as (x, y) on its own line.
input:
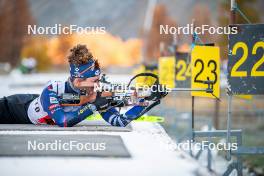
(156, 94)
(101, 103)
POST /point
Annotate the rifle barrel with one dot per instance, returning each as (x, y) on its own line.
(188, 89)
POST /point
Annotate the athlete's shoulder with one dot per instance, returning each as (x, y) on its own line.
(55, 86)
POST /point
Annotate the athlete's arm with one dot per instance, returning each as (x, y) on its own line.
(113, 117)
(50, 103)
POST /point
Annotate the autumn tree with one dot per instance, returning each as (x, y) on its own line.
(37, 47)
(202, 16)
(154, 38)
(64, 46)
(14, 18)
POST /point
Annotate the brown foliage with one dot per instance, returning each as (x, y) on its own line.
(14, 18)
(202, 16)
(37, 48)
(154, 38)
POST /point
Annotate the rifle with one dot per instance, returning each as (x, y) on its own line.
(121, 96)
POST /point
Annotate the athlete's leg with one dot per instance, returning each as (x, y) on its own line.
(5, 116)
(14, 108)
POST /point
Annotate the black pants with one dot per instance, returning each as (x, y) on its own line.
(13, 109)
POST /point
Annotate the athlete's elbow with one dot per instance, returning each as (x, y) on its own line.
(60, 120)
(61, 123)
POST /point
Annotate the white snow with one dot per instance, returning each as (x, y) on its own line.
(148, 144)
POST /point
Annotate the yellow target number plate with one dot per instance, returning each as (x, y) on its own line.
(206, 66)
(167, 71)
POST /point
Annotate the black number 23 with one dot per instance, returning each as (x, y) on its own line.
(211, 64)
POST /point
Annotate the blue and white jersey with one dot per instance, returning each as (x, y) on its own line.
(46, 109)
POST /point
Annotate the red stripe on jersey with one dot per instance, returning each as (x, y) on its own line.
(46, 120)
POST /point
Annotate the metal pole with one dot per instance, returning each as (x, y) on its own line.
(229, 117)
(175, 43)
(229, 93)
(209, 153)
(233, 12)
(192, 115)
(193, 41)
(239, 158)
(216, 115)
(191, 128)
(169, 89)
(191, 135)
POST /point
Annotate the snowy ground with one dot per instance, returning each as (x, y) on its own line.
(148, 145)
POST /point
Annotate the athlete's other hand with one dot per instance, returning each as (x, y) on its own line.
(101, 103)
(157, 94)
